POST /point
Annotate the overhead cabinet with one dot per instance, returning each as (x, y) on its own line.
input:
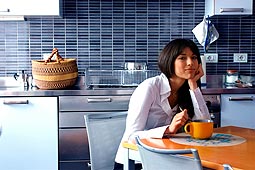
(228, 7)
(30, 7)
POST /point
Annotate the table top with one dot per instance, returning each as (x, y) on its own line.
(239, 156)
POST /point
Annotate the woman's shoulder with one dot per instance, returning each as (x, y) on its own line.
(152, 87)
(152, 81)
(153, 84)
(148, 88)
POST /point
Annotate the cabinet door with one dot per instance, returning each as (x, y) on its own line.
(29, 133)
(30, 7)
(228, 7)
(233, 7)
(73, 149)
(238, 110)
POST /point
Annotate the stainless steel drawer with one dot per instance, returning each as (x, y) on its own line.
(73, 144)
(238, 110)
(76, 119)
(71, 119)
(93, 103)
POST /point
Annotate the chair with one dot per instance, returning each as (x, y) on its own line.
(104, 135)
(166, 159)
(227, 167)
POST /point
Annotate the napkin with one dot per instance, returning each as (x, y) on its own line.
(206, 33)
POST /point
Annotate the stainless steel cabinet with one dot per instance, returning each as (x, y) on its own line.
(73, 141)
(73, 148)
(29, 133)
(238, 110)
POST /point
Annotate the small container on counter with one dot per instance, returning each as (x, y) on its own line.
(231, 77)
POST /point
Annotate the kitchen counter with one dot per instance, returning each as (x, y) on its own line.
(214, 85)
(230, 90)
(74, 91)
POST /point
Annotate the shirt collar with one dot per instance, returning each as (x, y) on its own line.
(164, 87)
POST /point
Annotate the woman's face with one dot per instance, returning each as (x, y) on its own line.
(186, 64)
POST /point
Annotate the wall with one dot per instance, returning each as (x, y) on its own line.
(102, 34)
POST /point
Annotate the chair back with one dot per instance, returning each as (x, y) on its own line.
(227, 167)
(104, 135)
(168, 159)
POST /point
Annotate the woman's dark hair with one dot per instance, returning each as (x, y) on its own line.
(166, 61)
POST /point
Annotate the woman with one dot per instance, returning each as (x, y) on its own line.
(161, 105)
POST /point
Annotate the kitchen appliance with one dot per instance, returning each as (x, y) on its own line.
(231, 77)
(117, 78)
(234, 80)
(135, 66)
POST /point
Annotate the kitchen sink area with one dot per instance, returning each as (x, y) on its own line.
(11, 84)
(8, 82)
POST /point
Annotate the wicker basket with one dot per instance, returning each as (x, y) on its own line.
(54, 74)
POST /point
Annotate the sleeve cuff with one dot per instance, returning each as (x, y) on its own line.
(152, 133)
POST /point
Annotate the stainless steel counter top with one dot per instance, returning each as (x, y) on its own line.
(214, 86)
(75, 91)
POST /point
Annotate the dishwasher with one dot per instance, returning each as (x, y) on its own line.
(73, 140)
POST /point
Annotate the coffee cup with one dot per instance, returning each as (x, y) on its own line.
(199, 129)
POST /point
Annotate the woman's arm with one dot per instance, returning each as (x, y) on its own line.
(141, 120)
(177, 122)
(193, 82)
(200, 109)
(139, 106)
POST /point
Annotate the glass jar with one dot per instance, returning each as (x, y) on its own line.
(231, 76)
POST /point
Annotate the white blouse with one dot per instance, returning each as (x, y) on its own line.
(150, 113)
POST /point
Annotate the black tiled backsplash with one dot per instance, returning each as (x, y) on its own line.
(102, 34)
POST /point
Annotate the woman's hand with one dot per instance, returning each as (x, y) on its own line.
(193, 81)
(178, 121)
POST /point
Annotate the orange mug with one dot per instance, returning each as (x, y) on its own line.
(199, 129)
